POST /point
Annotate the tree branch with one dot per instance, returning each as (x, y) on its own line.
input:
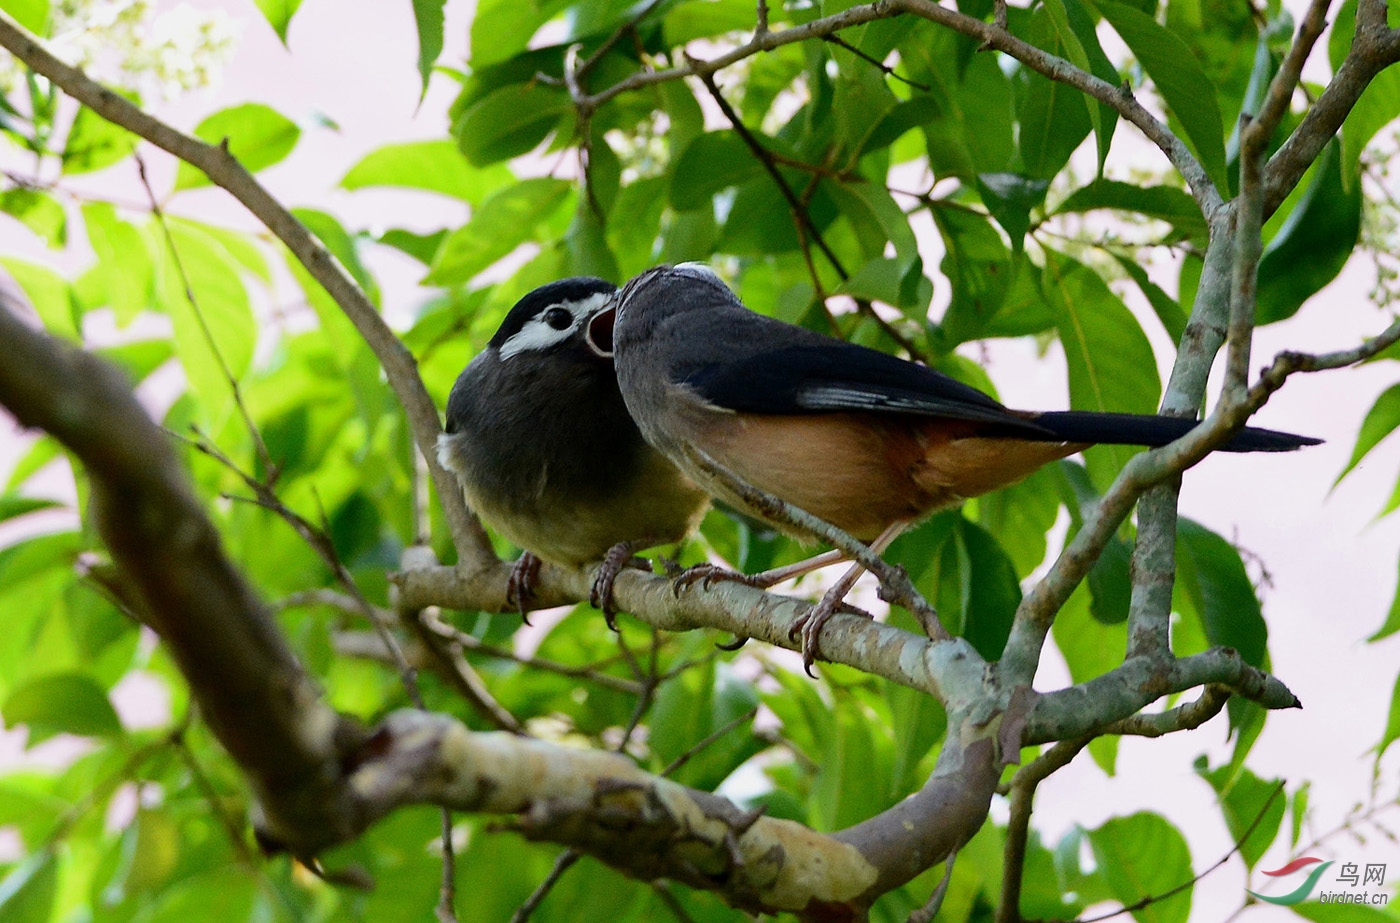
(1374, 48)
(224, 170)
(990, 34)
(1023, 787)
(1098, 705)
(882, 650)
(255, 696)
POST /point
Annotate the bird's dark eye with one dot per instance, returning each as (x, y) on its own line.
(559, 318)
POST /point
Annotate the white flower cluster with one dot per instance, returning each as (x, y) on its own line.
(128, 43)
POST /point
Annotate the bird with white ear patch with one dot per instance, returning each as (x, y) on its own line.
(544, 448)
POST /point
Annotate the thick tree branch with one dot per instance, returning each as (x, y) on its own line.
(649, 827)
(255, 696)
(882, 650)
(224, 170)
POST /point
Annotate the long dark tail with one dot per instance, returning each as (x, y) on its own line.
(1141, 429)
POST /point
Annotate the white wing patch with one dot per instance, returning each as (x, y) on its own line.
(537, 335)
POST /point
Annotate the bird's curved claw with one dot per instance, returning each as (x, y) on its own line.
(809, 625)
(601, 595)
(520, 588)
(705, 574)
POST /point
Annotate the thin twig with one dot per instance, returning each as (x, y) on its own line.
(663, 894)
(926, 913)
(1000, 39)
(801, 213)
(447, 892)
(592, 60)
(259, 445)
(320, 542)
(461, 675)
(561, 865)
(685, 757)
(1022, 791)
(881, 65)
(1239, 844)
(1182, 718)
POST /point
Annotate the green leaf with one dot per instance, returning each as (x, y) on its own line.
(885, 279)
(12, 506)
(28, 892)
(685, 22)
(1381, 420)
(1298, 812)
(44, 450)
(1182, 82)
(713, 162)
(991, 591)
(503, 222)
(1392, 722)
(1392, 619)
(49, 294)
(1167, 309)
(428, 16)
(1247, 801)
(1109, 583)
(1143, 855)
(977, 264)
(1111, 365)
(1052, 115)
(257, 135)
(419, 246)
(919, 722)
(502, 29)
(32, 558)
(38, 211)
(123, 261)
(221, 313)
(1083, 29)
(877, 219)
(587, 245)
(1010, 198)
(433, 166)
(906, 115)
(341, 245)
(32, 14)
(1020, 516)
(279, 14)
(509, 121)
(94, 143)
(61, 703)
(1212, 574)
(1313, 244)
(960, 568)
(1165, 203)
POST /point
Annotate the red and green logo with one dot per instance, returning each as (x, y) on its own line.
(1300, 893)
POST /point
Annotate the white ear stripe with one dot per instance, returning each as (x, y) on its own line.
(538, 335)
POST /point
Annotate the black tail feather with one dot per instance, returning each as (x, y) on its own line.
(1153, 431)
